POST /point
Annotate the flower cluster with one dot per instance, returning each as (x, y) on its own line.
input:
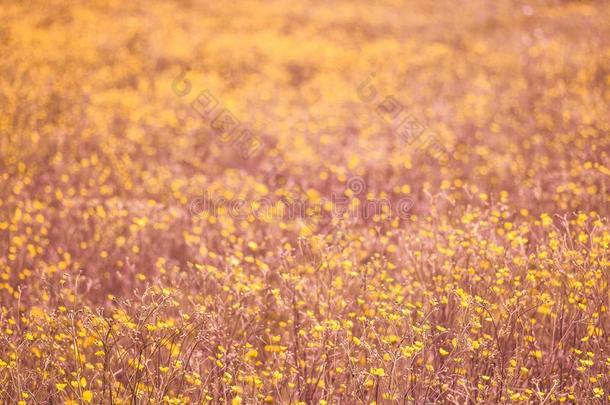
(492, 286)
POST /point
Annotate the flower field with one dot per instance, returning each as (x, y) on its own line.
(318, 202)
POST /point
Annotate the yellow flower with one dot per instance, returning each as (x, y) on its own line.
(546, 220)
(379, 372)
(87, 396)
(252, 354)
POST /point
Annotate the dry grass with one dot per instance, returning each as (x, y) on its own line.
(480, 277)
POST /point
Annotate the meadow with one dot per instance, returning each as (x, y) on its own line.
(317, 202)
